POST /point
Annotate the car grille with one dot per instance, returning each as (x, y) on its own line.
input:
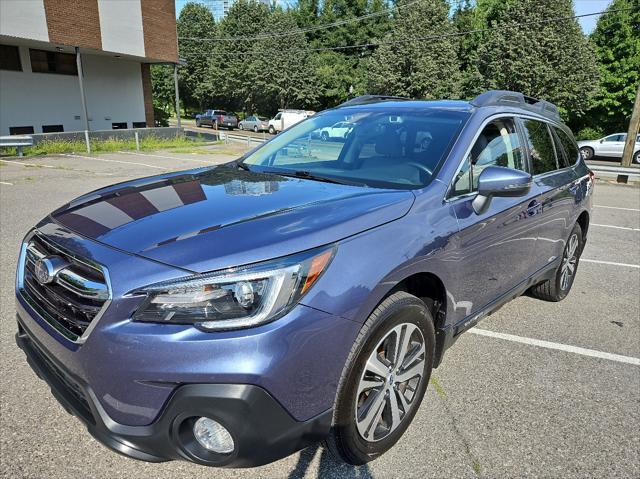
(78, 293)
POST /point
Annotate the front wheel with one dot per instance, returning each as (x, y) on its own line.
(240, 126)
(324, 136)
(272, 130)
(198, 124)
(255, 129)
(636, 157)
(587, 153)
(384, 379)
(558, 287)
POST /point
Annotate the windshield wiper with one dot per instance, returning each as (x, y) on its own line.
(307, 175)
(240, 164)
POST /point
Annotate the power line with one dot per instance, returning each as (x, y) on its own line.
(435, 37)
(298, 31)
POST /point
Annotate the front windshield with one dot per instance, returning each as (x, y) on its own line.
(400, 148)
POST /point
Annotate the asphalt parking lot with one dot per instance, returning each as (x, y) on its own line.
(538, 389)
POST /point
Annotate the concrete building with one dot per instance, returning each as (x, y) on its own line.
(45, 43)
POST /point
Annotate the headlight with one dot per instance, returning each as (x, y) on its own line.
(233, 299)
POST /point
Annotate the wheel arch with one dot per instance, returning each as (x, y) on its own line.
(430, 288)
(583, 221)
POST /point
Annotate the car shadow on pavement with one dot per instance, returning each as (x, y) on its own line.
(329, 467)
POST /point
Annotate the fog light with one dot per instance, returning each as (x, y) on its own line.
(213, 436)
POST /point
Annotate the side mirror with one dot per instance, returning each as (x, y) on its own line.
(500, 181)
(601, 141)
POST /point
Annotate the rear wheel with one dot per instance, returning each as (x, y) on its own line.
(198, 124)
(636, 157)
(255, 129)
(324, 136)
(558, 287)
(384, 379)
(586, 152)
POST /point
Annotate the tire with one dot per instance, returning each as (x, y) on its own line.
(198, 124)
(324, 136)
(272, 130)
(255, 129)
(587, 153)
(558, 287)
(358, 442)
(636, 157)
(240, 126)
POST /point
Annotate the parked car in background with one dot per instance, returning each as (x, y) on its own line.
(233, 314)
(286, 118)
(611, 146)
(255, 123)
(217, 119)
(338, 131)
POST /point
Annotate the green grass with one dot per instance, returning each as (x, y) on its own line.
(438, 387)
(148, 143)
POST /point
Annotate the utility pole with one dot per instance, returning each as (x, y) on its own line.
(83, 99)
(175, 81)
(634, 125)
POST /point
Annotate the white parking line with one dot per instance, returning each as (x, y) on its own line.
(27, 164)
(6, 183)
(617, 208)
(166, 157)
(615, 227)
(114, 161)
(558, 346)
(624, 265)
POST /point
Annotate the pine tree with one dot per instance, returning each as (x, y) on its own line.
(532, 52)
(195, 21)
(410, 65)
(617, 43)
(281, 67)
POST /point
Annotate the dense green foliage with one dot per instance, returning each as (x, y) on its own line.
(259, 59)
(617, 43)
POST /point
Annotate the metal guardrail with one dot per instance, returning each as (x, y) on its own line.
(615, 170)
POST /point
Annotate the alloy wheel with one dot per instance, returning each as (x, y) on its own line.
(389, 382)
(569, 262)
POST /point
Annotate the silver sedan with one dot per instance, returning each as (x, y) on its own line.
(255, 123)
(610, 146)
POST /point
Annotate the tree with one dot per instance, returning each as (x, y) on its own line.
(195, 22)
(162, 87)
(232, 76)
(281, 69)
(617, 44)
(407, 64)
(529, 51)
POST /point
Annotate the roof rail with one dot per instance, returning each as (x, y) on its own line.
(514, 98)
(364, 99)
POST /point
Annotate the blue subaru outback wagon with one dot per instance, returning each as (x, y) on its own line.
(232, 315)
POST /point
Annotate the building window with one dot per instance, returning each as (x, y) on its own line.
(10, 58)
(21, 130)
(119, 126)
(43, 61)
(52, 128)
(139, 124)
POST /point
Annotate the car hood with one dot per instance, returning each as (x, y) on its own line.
(215, 218)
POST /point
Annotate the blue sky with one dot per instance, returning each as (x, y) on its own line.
(582, 7)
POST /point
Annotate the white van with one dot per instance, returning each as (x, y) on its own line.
(286, 118)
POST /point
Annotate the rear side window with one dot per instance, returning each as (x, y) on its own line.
(543, 157)
(497, 145)
(568, 152)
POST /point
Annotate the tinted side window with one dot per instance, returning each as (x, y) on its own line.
(543, 157)
(568, 149)
(497, 145)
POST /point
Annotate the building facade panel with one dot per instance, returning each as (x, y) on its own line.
(24, 19)
(113, 87)
(159, 25)
(64, 17)
(121, 25)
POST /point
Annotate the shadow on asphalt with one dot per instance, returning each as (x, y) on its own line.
(329, 467)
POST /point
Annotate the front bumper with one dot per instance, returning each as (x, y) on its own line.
(263, 431)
